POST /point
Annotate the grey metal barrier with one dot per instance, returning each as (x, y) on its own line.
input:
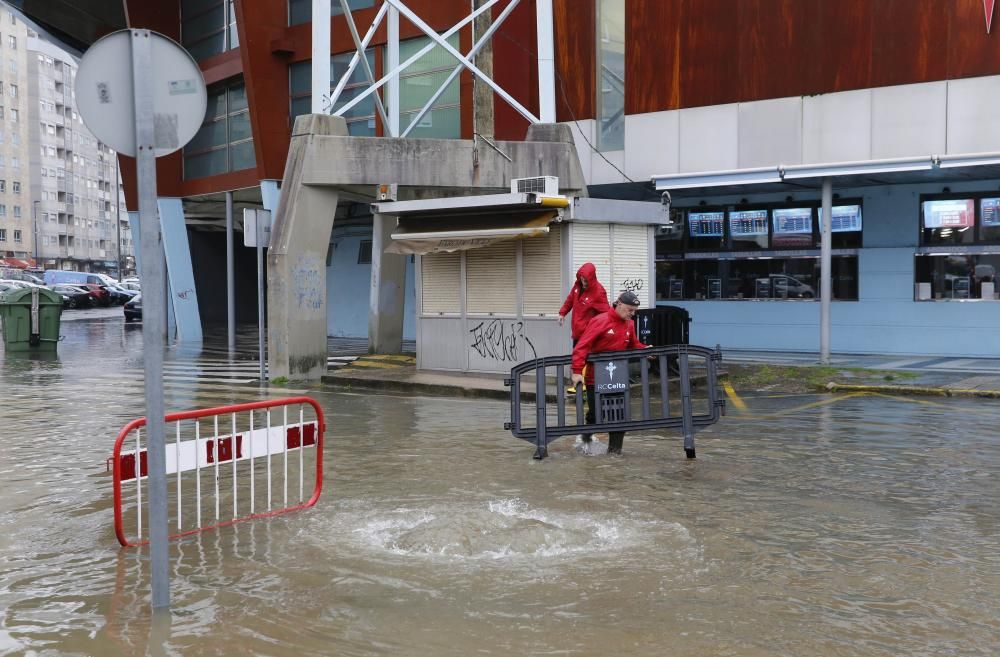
(617, 392)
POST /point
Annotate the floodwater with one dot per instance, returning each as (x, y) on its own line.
(808, 525)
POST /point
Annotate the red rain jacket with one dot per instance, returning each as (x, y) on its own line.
(585, 304)
(607, 332)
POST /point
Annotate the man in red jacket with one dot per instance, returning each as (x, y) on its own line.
(612, 331)
(586, 300)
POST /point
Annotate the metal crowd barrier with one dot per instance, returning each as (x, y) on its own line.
(621, 404)
(231, 447)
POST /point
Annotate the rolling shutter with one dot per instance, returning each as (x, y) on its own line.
(440, 275)
(491, 279)
(541, 260)
(631, 262)
(592, 243)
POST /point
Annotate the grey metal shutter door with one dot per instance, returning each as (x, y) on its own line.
(491, 279)
(592, 243)
(541, 261)
(440, 280)
(631, 261)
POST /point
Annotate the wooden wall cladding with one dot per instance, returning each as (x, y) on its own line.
(689, 53)
(575, 29)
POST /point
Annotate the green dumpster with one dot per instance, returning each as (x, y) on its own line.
(29, 317)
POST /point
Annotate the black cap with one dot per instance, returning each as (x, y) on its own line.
(628, 298)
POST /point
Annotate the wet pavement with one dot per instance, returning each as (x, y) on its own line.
(839, 524)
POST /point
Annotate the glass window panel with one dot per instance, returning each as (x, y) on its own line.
(300, 11)
(237, 98)
(414, 92)
(611, 74)
(242, 156)
(239, 127)
(300, 106)
(234, 37)
(300, 77)
(197, 27)
(365, 108)
(191, 7)
(362, 127)
(205, 164)
(439, 123)
(340, 63)
(210, 135)
(436, 58)
(210, 46)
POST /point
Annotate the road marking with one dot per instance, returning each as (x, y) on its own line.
(731, 393)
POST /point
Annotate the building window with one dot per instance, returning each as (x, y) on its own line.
(208, 27)
(365, 252)
(225, 141)
(760, 252)
(13, 90)
(300, 11)
(611, 74)
(959, 251)
(16, 187)
(3, 234)
(419, 81)
(12, 41)
(361, 117)
(17, 211)
(14, 116)
(17, 237)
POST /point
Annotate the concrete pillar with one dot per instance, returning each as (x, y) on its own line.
(482, 95)
(296, 260)
(180, 275)
(388, 291)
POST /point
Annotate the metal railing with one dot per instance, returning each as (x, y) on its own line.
(233, 447)
(660, 370)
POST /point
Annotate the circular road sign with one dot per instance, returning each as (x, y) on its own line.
(105, 95)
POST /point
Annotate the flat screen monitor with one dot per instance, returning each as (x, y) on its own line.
(705, 224)
(846, 219)
(952, 213)
(748, 222)
(792, 221)
(989, 210)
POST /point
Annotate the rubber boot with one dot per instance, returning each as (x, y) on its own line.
(615, 440)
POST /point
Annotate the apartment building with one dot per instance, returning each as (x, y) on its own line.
(76, 201)
(16, 238)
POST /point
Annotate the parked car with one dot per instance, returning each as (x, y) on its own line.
(74, 296)
(133, 309)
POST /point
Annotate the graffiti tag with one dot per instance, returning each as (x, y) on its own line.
(502, 341)
(632, 284)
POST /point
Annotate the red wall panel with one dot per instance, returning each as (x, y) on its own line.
(688, 53)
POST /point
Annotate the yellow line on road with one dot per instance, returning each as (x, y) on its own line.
(733, 397)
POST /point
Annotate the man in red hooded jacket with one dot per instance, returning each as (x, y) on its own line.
(586, 300)
(612, 331)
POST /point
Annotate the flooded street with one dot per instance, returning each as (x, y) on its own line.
(842, 525)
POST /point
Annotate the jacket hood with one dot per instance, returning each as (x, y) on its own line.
(588, 272)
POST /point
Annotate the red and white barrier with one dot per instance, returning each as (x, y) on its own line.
(232, 447)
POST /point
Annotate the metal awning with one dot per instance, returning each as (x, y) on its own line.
(890, 171)
(445, 225)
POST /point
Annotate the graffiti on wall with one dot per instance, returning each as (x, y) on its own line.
(632, 284)
(503, 341)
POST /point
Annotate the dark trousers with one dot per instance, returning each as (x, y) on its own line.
(615, 438)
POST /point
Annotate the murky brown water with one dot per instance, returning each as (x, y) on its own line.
(861, 526)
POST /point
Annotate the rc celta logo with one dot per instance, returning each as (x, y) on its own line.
(611, 370)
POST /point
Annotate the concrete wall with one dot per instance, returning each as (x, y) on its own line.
(932, 118)
(488, 344)
(347, 287)
(885, 318)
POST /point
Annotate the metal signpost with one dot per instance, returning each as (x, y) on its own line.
(257, 232)
(144, 96)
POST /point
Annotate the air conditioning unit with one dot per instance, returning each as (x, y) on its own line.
(544, 185)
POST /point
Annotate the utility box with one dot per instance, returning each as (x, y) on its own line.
(29, 317)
